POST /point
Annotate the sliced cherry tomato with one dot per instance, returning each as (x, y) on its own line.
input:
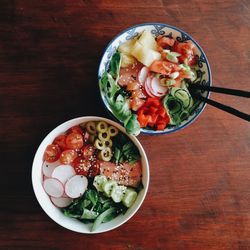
(76, 129)
(89, 152)
(68, 156)
(81, 166)
(74, 140)
(52, 153)
(94, 169)
(60, 140)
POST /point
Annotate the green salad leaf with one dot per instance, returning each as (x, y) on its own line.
(117, 97)
(132, 125)
(91, 208)
(124, 150)
(115, 65)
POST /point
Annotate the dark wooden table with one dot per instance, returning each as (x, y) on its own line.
(199, 195)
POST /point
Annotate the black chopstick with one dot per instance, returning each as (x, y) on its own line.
(227, 91)
(223, 107)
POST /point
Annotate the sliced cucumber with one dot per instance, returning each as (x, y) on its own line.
(129, 197)
(108, 187)
(99, 182)
(183, 95)
(88, 214)
(118, 193)
(102, 217)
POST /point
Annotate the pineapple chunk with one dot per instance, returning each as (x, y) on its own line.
(126, 60)
(144, 55)
(126, 47)
(147, 40)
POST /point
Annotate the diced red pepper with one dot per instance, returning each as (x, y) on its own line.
(161, 112)
(153, 118)
(153, 109)
(156, 102)
(153, 114)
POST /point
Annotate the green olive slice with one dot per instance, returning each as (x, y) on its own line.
(103, 136)
(91, 127)
(102, 127)
(108, 143)
(105, 154)
(112, 131)
(99, 144)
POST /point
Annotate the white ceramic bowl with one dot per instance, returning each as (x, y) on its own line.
(204, 76)
(55, 213)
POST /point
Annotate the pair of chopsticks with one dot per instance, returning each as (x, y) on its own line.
(242, 93)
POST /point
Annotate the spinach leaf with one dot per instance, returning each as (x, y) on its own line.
(124, 150)
(117, 97)
(92, 196)
(115, 64)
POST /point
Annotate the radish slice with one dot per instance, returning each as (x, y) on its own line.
(76, 186)
(146, 85)
(63, 173)
(53, 187)
(158, 90)
(48, 168)
(61, 201)
(142, 75)
(45, 177)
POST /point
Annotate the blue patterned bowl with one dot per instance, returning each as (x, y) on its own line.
(158, 29)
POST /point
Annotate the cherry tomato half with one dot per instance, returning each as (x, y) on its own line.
(68, 156)
(74, 140)
(81, 166)
(60, 140)
(75, 129)
(94, 169)
(52, 153)
(89, 152)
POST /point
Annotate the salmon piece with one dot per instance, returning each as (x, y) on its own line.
(123, 173)
(129, 74)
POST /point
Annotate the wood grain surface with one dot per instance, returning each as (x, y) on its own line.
(199, 195)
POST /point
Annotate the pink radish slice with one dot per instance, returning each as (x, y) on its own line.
(142, 75)
(63, 173)
(146, 85)
(158, 90)
(53, 187)
(61, 201)
(45, 177)
(65, 195)
(76, 186)
(48, 168)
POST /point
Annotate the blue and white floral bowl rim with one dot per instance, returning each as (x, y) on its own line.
(158, 30)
